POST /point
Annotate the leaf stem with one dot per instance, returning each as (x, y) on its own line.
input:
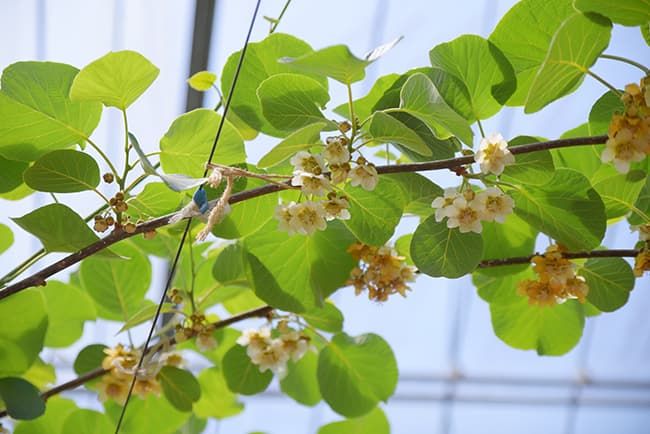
(104, 157)
(602, 81)
(23, 266)
(480, 127)
(122, 180)
(622, 59)
(353, 119)
(192, 274)
(279, 18)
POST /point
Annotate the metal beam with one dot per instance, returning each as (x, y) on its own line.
(201, 38)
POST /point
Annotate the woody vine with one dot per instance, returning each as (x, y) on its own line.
(274, 239)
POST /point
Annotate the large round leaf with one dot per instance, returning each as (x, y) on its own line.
(88, 422)
(180, 387)
(216, 399)
(63, 171)
(442, 252)
(67, 308)
(355, 373)
(610, 281)
(374, 422)
(626, 12)
(242, 376)
(301, 383)
(51, 422)
(116, 79)
(21, 398)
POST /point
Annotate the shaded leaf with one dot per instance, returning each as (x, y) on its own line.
(300, 140)
(241, 375)
(301, 383)
(21, 399)
(180, 387)
(386, 129)
(67, 309)
(610, 281)
(63, 171)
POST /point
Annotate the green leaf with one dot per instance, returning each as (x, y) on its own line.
(117, 286)
(185, 147)
(327, 318)
(298, 272)
(40, 374)
(260, 63)
(293, 101)
(299, 140)
(6, 238)
(626, 12)
(575, 47)
(216, 399)
(536, 35)
(513, 238)
(533, 168)
(481, 68)
(374, 422)
(146, 314)
(301, 383)
(21, 399)
(498, 289)
(363, 107)
(610, 281)
(440, 148)
(355, 373)
(51, 422)
(618, 191)
(37, 114)
(374, 214)
(229, 265)
(11, 174)
(550, 330)
(89, 358)
(202, 80)
(153, 414)
(116, 79)
(584, 159)
(419, 192)
(420, 98)
(59, 228)
(642, 204)
(180, 387)
(337, 62)
(602, 111)
(88, 422)
(386, 129)
(21, 343)
(67, 309)
(439, 251)
(645, 32)
(63, 171)
(194, 425)
(241, 375)
(155, 200)
(566, 208)
(403, 247)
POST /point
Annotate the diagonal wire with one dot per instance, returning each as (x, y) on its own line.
(189, 221)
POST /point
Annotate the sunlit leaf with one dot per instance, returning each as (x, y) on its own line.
(6, 238)
(216, 399)
(63, 171)
(89, 358)
(327, 318)
(301, 383)
(386, 129)
(610, 281)
(67, 308)
(51, 422)
(626, 12)
(512, 238)
(374, 422)
(619, 192)
(180, 387)
(154, 200)
(153, 414)
(202, 80)
(532, 168)
(363, 107)
(299, 140)
(88, 421)
(241, 375)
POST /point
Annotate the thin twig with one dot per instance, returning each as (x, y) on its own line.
(614, 253)
(40, 277)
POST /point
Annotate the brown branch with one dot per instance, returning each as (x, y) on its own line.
(263, 311)
(40, 277)
(614, 253)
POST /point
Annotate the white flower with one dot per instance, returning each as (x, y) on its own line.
(336, 152)
(273, 357)
(442, 203)
(622, 151)
(364, 175)
(307, 217)
(493, 154)
(493, 204)
(206, 342)
(306, 162)
(465, 216)
(310, 183)
(254, 336)
(336, 207)
(283, 215)
(294, 344)
(339, 173)
(644, 231)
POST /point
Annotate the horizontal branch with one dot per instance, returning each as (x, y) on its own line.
(263, 311)
(39, 278)
(614, 253)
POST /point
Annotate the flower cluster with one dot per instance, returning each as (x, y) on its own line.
(196, 325)
(273, 353)
(493, 155)
(118, 206)
(317, 175)
(381, 271)
(642, 262)
(629, 133)
(557, 280)
(468, 209)
(121, 364)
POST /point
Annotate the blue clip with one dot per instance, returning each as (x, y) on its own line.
(200, 198)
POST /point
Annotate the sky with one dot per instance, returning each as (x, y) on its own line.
(442, 327)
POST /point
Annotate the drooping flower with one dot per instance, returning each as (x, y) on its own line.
(113, 388)
(493, 155)
(644, 231)
(310, 183)
(336, 207)
(642, 262)
(620, 150)
(339, 173)
(494, 204)
(294, 344)
(336, 150)
(205, 341)
(443, 203)
(464, 215)
(307, 217)
(552, 267)
(146, 386)
(365, 175)
(306, 162)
